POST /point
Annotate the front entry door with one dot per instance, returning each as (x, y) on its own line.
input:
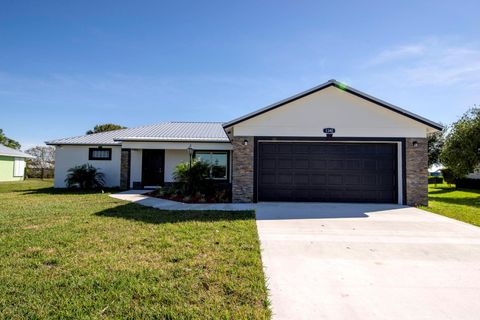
(153, 163)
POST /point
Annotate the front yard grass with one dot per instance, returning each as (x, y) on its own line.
(66, 255)
(462, 204)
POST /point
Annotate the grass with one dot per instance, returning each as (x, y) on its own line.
(462, 204)
(66, 255)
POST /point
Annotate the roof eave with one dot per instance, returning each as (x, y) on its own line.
(340, 86)
(172, 140)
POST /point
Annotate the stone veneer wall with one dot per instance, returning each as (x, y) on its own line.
(125, 169)
(416, 171)
(242, 169)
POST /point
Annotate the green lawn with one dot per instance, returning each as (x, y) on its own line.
(66, 255)
(463, 205)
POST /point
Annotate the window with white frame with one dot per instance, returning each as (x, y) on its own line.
(18, 167)
(218, 162)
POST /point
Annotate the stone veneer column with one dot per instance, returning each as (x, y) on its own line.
(242, 169)
(416, 167)
(125, 169)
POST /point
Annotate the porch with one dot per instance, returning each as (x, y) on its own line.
(147, 165)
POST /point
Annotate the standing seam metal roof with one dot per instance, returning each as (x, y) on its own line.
(9, 152)
(165, 131)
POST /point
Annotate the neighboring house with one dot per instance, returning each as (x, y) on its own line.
(330, 143)
(474, 175)
(12, 164)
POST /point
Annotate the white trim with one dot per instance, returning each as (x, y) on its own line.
(18, 167)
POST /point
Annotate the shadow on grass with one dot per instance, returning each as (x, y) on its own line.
(59, 191)
(132, 211)
(465, 201)
(442, 190)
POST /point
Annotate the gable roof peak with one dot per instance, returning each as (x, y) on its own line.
(346, 88)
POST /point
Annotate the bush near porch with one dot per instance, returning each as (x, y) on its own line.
(83, 255)
(193, 185)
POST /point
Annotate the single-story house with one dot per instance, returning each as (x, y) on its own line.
(330, 143)
(12, 164)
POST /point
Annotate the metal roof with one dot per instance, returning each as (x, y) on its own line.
(165, 131)
(343, 87)
(9, 152)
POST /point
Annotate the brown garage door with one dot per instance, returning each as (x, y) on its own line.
(329, 172)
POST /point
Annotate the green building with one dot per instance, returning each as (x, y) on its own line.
(12, 164)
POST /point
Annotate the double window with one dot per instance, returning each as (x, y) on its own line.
(217, 161)
(100, 154)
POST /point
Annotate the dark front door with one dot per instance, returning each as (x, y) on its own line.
(153, 163)
(330, 172)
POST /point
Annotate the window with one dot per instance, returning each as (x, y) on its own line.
(218, 161)
(18, 167)
(99, 154)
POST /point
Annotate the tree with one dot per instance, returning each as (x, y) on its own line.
(435, 144)
(105, 127)
(44, 158)
(8, 142)
(461, 151)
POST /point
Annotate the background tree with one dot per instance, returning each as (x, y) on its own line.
(105, 127)
(435, 144)
(44, 159)
(8, 142)
(461, 151)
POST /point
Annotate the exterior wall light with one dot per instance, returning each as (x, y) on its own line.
(415, 144)
(245, 142)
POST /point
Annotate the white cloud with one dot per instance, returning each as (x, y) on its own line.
(397, 53)
(432, 62)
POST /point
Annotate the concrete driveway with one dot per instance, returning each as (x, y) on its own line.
(356, 261)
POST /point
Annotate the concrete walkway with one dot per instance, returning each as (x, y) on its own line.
(139, 197)
(357, 261)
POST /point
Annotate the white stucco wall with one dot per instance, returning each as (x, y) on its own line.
(67, 157)
(172, 158)
(350, 115)
(135, 166)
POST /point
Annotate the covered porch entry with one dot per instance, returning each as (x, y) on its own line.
(147, 164)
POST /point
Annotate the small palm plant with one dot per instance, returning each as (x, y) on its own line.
(192, 177)
(85, 176)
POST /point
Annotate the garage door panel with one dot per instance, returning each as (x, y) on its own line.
(284, 164)
(267, 164)
(301, 164)
(337, 172)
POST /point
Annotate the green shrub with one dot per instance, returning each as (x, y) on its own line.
(192, 179)
(448, 176)
(85, 177)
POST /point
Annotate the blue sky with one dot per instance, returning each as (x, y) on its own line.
(68, 65)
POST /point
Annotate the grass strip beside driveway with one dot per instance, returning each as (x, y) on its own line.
(461, 204)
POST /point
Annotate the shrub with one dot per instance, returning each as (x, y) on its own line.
(448, 176)
(85, 176)
(192, 179)
(467, 183)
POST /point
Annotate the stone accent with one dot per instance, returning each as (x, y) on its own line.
(125, 169)
(416, 167)
(242, 169)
